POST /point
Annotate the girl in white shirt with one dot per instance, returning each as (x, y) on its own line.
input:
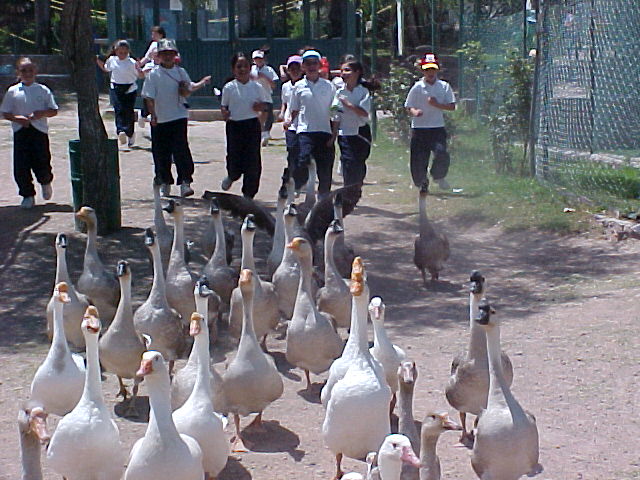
(294, 73)
(124, 73)
(242, 101)
(354, 134)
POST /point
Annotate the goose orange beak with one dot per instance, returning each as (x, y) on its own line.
(409, 457)
(295, 243)
(194, 325)
(62, 290)
(449, 424)
(38, 424)
(146, 367)
(245, 276)
(91, 319)
(357, 277)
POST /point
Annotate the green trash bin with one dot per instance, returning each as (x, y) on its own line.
(112, 183)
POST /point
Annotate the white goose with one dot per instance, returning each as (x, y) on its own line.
(78, 303)
(266, 313)
(312, 340)
(163, 453)
(222, 277)
(86, 443)
(251, 381)
(155, 317)
(506, 444)
(388, 354)
(58, 382)
(121, 347)
(32, 426)
(357, 417)
(287, 276)
(196, 417)
(469, 381)
(433, 425)
(334, 298)
(185, 378)
(179, 281)
(163, 232)
(95, 282)
(394, 452)
(278, 246)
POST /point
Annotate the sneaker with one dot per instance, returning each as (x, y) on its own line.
(132, 140)
(443, 184)
(28, 202)
(141, 121)
(47, 191)
(226, 184)
(186, 190)
(265, 139)
(165, 190)
(122, 138)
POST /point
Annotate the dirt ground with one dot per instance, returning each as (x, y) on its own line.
(569, 307)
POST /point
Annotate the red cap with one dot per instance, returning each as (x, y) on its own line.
(324, 65)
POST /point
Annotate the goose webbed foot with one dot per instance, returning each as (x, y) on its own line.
(123, 390)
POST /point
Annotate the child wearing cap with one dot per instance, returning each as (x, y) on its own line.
(311, 107)
(294, 73)
(27, 105)
(267, 77)
(165, 90)
(426, 101)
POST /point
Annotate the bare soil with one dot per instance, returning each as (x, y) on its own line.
(569, 307)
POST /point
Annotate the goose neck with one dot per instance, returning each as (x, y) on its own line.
(158, 217)
(202, 307)
(389, 469)
(59, 340)
(30, 451)
(288, 256)
(158, 287)
(248, 335)
(248, 260)
(406, 424)
(358, 332)
(161, 424)
(219, 256)
(124, 310)
(62, 273)
(477, 338)
(430, 464)
(92, 239)
(380, 337)
(499, 391)
(330, 269)
(92, 388)
(201, 347)
(178, 233)
(304, 286)
(279, 233)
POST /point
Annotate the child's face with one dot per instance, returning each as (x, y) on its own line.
(259, 62)
(242, 69)
(167, 58)
(122, 52)
(311, 66)
(430, 74)
(294, 70)
(27, 72)
(348, 74)
(155, 36)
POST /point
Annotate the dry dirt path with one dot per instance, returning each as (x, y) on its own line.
(568, 305)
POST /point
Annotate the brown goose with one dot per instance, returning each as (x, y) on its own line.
(431, 247)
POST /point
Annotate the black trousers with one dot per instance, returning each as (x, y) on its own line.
(354, 151)
(423, 142)
(243, 154)
(123, 104)
(314, 144)
(169, 139)
(268, 123)
(31, 153)
(293, 149)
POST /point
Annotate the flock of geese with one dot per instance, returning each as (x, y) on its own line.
(310, 299)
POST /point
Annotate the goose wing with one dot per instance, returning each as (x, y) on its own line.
(321, 214)
(240, 207)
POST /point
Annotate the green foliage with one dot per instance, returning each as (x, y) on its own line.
(474, 57)
(392, 97)
(509, 123)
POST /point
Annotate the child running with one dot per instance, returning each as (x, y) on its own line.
(267, 77)
(165, 90)
(27, 105)
(124, 73)
(242, 101)
(354, 133)
(294, 73)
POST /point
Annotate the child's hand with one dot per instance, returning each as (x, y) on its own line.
(225, 114)
(286, 125)
(257, 107)
(416, 112)
(345, 102)
(433, 102)
(154, 120)
(206, 79)
(22, 120)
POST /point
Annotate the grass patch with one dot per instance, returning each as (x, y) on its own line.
(488, 199)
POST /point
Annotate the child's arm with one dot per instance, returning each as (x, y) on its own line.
(151, 106)
(47, 113)
(442, 106)
(101, 65)
(414, 112)
(198, 85)
(21, 119)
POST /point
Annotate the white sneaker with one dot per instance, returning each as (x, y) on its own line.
(443, 184)
(141, 121)
(265, 139)
(226, 184)
(28, 202)
(47, 191)
(132, 140)
(165, 190)
(186, 190)
(122, 138)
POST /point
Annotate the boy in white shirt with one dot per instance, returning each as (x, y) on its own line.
(311, 108)
(165, 90)
(426, 101)
(27, 105)
(267, 77)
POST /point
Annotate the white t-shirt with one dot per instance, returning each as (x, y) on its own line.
(313, 102)
(152, 51)
(431, 117)
(162, 86)
(349, 120)
(269, 72)
(21, 99)
(285, 95)
(122, 71)
(239, 99)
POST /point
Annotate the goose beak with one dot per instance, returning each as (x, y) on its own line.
(357, 277)
(61, 241)
(215, 207)
(146, 367)
(122, 268)
(409, 457)
(484, 314)
(38, 424)
(407, 372)
(61, 292)
(91, 320)
(84, 212)
(149, 237)
(170, 207)
(476, 285)
(245, 276)
(295, 243)
(194, 325)
(449, 424)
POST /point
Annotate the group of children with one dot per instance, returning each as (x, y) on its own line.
(315, 113)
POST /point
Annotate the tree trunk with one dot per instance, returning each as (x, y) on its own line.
(43, 26)
(78, 48)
